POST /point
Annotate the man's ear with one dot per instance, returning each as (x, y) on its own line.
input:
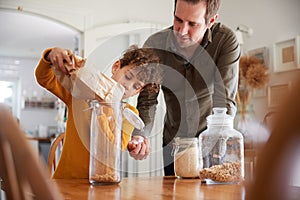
(212, 20)
(115, 66)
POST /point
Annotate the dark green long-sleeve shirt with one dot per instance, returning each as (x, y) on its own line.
(193, 86)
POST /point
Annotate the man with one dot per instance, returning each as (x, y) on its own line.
(200, 59)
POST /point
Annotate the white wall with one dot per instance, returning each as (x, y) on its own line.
(84, 15)
(272, 21)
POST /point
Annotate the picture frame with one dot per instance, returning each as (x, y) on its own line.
(277, 92)
(262, 53)
(286, 55)
(258, 93)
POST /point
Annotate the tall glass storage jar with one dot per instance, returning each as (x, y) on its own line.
(105, 143)
(222, 150)
(186, 157)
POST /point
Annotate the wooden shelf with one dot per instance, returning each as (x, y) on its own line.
(40, 104)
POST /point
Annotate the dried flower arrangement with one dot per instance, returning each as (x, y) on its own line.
(252, 75)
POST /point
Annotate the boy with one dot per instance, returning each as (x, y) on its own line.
(133, 72)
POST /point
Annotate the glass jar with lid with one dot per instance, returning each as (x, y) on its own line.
(186, 157)
(222, 150)
(105, 143)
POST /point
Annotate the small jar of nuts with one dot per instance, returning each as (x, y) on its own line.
(222, 150)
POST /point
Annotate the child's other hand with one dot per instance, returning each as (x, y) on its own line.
(139, 148)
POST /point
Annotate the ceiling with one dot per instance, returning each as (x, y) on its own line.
(27, 35)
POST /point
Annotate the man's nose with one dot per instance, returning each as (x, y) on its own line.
(183, 28)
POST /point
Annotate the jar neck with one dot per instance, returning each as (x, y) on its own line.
(220, 125)
(186, 139)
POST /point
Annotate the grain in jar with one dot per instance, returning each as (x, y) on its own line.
(187, 157)
(222, 150)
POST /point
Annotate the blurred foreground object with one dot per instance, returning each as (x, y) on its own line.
(275, 163)
(23, 176)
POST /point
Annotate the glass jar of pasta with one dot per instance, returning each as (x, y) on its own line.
(105, 143)
(222, 150)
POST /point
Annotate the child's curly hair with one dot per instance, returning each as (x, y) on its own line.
(146, 62)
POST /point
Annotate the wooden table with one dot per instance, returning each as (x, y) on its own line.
(149, 188)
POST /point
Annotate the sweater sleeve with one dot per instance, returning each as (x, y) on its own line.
(46, 78)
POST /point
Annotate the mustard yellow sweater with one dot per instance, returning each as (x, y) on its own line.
(74, 159)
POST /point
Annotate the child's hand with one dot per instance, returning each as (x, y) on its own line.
(58, 57)
(138, 148)
(135, 143)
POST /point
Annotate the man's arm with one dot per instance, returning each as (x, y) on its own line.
(226, 77)
(146, 105)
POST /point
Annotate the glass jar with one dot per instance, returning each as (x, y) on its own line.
(105, 143)
(222, 150)
(186, 157)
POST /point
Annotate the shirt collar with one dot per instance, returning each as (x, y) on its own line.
(207, 38)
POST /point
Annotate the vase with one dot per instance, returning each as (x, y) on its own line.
(245, 117)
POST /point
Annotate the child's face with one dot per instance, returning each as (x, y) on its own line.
(127, 77)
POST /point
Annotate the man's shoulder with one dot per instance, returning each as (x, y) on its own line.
(159, 38)
(221, 28)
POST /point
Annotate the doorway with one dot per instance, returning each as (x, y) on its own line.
(9, 95)
(24, 37)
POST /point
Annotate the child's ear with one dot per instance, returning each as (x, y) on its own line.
(115, 66)
(138, 91)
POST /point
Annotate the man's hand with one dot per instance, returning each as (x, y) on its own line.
(58, 57)
(138, 149)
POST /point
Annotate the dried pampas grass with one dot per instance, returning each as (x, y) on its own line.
(253, 74)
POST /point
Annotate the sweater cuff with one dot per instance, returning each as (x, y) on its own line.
(45, 54)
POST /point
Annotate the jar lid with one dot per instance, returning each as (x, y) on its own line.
(133, 118)
(219, 117)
